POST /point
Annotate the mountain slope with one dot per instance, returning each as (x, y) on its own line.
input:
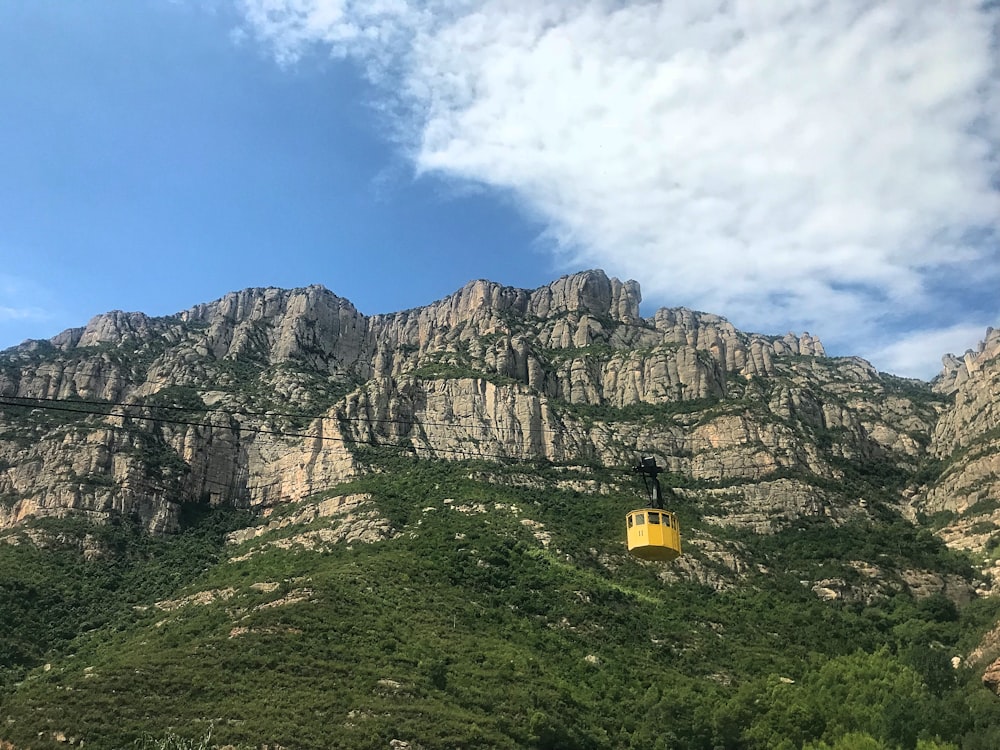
(504, 617)
(263, 396)
(408, 527)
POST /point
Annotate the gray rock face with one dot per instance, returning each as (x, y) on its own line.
(966, 444)
(958, 370)
(309, 325)
(267, 395)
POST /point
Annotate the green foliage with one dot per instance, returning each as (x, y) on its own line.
(850, 741)
(240, 375)
(990, 550)
(159, 459)
(9, 499)
(24, 424)
(451, 371)
(982, 507)
(465, 631)
(178, 397)
(929, 471)
(49, 596)
(917, 391)
(173, 741)
(597, 351)
(655, 414)
(982, 527)
(937, 520)
(860, 700)
(817, 546)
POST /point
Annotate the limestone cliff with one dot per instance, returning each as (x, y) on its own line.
(963, 498)
(270, 395)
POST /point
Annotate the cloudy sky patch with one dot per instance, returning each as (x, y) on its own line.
(791, 165)
(829, 167)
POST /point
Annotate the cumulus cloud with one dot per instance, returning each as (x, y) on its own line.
(789, 164)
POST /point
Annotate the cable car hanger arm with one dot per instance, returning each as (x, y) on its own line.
(649, 470)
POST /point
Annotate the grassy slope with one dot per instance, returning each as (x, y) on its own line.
(465, 632)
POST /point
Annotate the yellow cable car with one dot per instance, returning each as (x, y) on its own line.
(652, 533)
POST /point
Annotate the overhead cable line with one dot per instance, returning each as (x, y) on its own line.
(40, 402)
(73, 406)
(265, 431)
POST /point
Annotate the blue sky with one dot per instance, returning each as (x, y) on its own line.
(790, 166)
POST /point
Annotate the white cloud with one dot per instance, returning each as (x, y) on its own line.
(18, 300)
(375, 31)
(789, 164)
(20, 313)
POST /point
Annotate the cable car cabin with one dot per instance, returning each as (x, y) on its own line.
(653, 534)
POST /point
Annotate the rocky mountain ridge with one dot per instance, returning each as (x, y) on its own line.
(268, 396)
(486, 440)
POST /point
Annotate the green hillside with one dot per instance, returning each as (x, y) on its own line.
(502, 612)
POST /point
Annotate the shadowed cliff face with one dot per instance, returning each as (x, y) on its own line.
(267, 395)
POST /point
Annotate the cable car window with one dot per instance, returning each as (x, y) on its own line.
(639, 520)
(654, 517)
(630, 522)
(666, 519)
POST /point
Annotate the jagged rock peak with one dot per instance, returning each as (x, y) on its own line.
(957, 370)
(113, 327)
(589, 292)
(305, 323)
(263, 303)
(255, 304)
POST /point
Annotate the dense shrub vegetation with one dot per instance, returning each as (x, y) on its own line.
(465, 631)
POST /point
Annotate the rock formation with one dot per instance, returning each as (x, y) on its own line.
(963, 496)
(270, 395)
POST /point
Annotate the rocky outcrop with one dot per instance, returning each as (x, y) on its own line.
(991, 677)
(865, 592)
(310, 325)
(344, 519)
(956, 371)
(708, 562)
(965, 443)
(974, 385)
(986, 656)
(112, 329)
(766, 507)
(95, 473)
(268, 396)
